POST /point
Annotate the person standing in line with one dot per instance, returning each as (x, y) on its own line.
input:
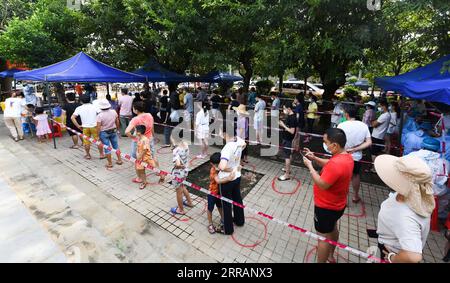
(404, 218)
(88, 114)
(300, 114)
(181, 171)
(216, 100)
(358, 139)
(202, 128)
(165, 117)
(289, 131)
(68, 110)
(125, 113)
(242, 130)
(189, 104)
(337, 113)
(380, 127)
(311, 117)
(14, 106)
(275, 107)
(201, 96)
(145, 119)
(251, 98)
(230, 162)
(369, 114)
(331, 189)
(258, 121)
(234, 102)
(107, 126)
(392, 130)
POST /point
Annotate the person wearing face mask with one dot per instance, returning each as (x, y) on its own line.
(358, 139)
(275, 107)
(369, 114)
(331, 189)
(380, 127)
(394, 110)
(260, 111)
(311, 117)
(337, 113)
(289, 130)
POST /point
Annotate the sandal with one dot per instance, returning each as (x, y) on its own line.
(88, 157)
(220, 229)
(174, 210)
(211, 229)
(143, 186)
(119, 162)
(356, 200)
(74, 147)
(108, 166)
(16, 139)
(103, 157)
(162, 178)
(283, 178)
(136, 180)
(185, 203)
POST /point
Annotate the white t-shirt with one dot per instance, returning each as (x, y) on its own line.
(260, 110)
(14, 107)
(88, 114)
(380, 131)
(202, 121)
(356, 132)
(232, 153)
(393, 123)
(400, 228)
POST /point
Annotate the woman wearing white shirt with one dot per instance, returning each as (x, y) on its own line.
(14, 106)
(202, 128)
(392, 130)
(404, 218)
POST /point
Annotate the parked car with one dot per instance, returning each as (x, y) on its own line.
(362, 84)
(293, 88)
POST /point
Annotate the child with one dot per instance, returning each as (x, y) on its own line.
(143, 154)
(42, 127)
(214, 189)
(180, 170)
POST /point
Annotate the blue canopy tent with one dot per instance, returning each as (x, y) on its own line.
(430, 83)
(216, 77)
(79, 68)
(9, 73)
(160, 76)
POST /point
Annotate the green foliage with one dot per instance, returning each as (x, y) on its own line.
(351, 91)
(264, 86)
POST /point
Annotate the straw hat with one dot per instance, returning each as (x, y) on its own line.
(104, 104)
(410, 177)
(241, 109)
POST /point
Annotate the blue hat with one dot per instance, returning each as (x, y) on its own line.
(431, 144)
(426, 126)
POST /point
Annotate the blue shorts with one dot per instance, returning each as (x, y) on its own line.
(213, 201)
(109, 138)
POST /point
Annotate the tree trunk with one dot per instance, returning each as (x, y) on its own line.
(280, 82)
(305, 85)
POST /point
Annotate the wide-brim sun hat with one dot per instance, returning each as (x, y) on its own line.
(103, 104)
(241, 109)
(371, 103)
(411, 177)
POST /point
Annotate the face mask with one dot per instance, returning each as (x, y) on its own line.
(326, 148)
(285, 112)
(380, 109)
(390, 108)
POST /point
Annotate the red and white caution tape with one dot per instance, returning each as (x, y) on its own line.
(254, 211)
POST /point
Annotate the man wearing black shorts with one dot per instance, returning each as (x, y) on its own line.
(331, 188)
(289, 130)
(69, 108)
(358, 139)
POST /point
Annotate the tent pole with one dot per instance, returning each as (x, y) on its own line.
(107, 88)
(402, 102)
(51, 113)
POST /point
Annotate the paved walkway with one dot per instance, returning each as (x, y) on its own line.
(259, 240)
(22, 238)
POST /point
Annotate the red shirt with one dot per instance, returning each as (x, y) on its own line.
(145, 119)
(338, 173)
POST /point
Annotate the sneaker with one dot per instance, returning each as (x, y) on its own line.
(283, 178)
